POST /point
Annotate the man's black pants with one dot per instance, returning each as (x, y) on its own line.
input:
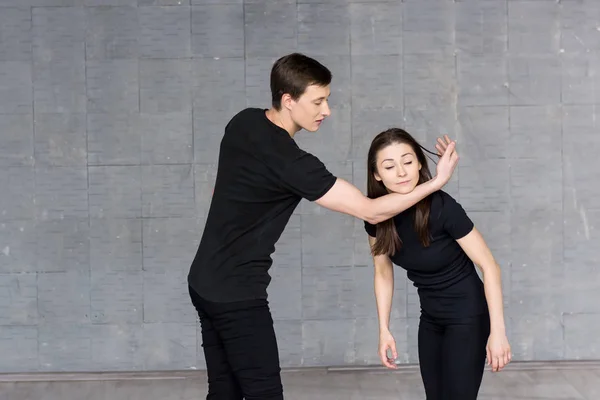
(240, 348)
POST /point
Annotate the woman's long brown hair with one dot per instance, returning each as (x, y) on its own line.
(388, 241)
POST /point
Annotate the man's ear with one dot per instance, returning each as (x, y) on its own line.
(286, 101)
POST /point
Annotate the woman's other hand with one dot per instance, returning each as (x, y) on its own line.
(498, 351)
(387, 342)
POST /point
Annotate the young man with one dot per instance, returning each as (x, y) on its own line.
(262, 176)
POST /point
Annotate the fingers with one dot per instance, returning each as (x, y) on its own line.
(385, 360)
(442, 144)
(489, 356)
(394, 352)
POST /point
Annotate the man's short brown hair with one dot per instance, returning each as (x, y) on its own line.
(293, 73)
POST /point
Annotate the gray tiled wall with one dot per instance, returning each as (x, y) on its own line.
(111, 112)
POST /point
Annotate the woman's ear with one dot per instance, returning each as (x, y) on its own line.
(377, 177)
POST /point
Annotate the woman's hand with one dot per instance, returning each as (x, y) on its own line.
(498, 351)
(387, 342)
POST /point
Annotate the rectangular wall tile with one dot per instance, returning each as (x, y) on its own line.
(60, 140)
(115, 245)
(376, 30)
(580, 77)
(218, 96)
(165, 86)
(15, 33)
(114, 139)
(165, 32)
(484, 185)
(64, 298)
(112, 86)
(429, 80)
(325, 343)
(113, 32)
(579, 26)
(481, 27)
(327, 293)
(428, 27)
(15, 87)
(484, 134)
(16, 142)
(289, 341)
(218, 30)
(524, 89)
(64, 346)
(580, 342)
(117, 347)
(270, 28)
(377, 82)
(537, 337)
(580, 143)
(115, 192)
(62, 246)
(167, 346)
(533, 27)
(327, 240)
(167, 191)
(18, 296)
(116, 297)
(327, 24)
(19, 346)
(18, 253)
(166, 138)
(482, 80)
(170, 244)
(529, 191)
(534, 132)
(61, 192)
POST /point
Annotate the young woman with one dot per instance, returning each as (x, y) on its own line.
(462, 318)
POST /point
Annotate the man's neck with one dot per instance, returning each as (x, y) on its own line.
(283, 120)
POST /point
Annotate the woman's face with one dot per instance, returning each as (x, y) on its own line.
(398, 168)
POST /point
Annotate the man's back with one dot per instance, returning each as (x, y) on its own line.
(262, 176)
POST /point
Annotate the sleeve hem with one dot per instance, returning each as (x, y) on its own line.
(324, 191)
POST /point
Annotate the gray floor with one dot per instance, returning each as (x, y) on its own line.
(518, 382)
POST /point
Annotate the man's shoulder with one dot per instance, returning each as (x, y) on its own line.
(247, 115)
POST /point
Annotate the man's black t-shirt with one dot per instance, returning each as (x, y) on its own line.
(445, 277)
(262, 176)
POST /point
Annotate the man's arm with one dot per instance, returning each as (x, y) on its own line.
(346, 198)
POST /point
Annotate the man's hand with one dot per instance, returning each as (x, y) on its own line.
(442, 144)
(446, 165)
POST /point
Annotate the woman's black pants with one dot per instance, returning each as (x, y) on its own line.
(452, 355)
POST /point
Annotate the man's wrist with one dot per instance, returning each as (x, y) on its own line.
(437, 183)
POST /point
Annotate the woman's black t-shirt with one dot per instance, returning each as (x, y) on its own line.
(445, 277)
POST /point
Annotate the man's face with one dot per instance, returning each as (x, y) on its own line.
(309, 111)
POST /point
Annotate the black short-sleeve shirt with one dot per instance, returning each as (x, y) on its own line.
(262, 175)
(444, 275)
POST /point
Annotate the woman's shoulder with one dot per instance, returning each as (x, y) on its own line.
(443, 203)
